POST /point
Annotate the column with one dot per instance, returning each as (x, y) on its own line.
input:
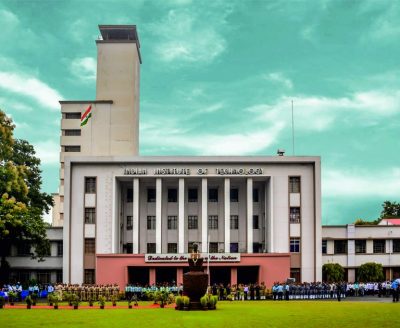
(179, 276)
(158, 214)
(227, 211)
(135, 217)
(181, 216)
(249, 215)
(152, 276)
(233, 276)
(204, 215)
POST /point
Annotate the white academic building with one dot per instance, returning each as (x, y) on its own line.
(133, 219)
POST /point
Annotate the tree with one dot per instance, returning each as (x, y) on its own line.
(370, 272)
(390, 209)
(332, 272)
(363, 222)
(21, 201)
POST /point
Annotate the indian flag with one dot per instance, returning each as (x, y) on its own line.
(86, 115)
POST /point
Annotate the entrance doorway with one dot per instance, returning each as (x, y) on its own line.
(247, 275)
(166, 275)
(220, 275)
(138, 275)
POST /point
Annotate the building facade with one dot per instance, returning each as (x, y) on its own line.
(24, 268)
(353, 245)
(135, 219)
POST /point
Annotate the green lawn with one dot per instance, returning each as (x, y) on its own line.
(228, 314)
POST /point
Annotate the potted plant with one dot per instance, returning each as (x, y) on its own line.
(135, 300)
(186, 303)
(50, 299)
(56, 299)
(203, 302)
(67, 297)
(34, 298)
(114, 299)
(90, 301)
(75, 301)
(28, 301)
(11, 297)
(102, 302)
(2, 302)
(162, 297)
(178, 303)
(129, 303)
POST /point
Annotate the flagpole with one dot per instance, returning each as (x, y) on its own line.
(292, 129)
(208, 258)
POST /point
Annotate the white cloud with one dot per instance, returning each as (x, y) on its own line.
(212, 108)
(361, 183)
(10, 105)
(280, 78)
(185, 37)
(320, 113)
(48, 151)
(212, 144)
(8, 18)
(84, 68)
(30, 87)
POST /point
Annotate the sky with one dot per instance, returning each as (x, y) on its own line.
(218, 78)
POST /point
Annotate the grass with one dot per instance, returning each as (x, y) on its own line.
(250, 314)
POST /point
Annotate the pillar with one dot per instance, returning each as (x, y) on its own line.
(181, 216)
(204, 215)
(179, 276)
(135, 218)
(233, 276)
(152, 276)
(227, 211)
(158, 214)
(249, 215)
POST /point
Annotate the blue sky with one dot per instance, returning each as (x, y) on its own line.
(218, 77)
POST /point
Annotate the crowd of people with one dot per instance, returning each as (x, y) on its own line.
(279, 291)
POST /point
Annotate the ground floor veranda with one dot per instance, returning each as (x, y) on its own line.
(126, 269)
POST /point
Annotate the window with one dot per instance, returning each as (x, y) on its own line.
(379, 246)
(172, 248)
(255, 195)
(234, 222)
(151, 222)
(89, 246)
(172, 222)
(340, 246)
(324, 246)
(213, 222)
(257, 248)
(213, 248)
(129, 195)
(60, 248)
(234, 195)
(59, 276)
(172, 195)
(294, 245)
(192, 195)
(234, 248)
(24, 249)
(72, 149)
(89, 276)
(192, 222)
(72, 132)
(72, 116)
(151, 247)
(129, 248)
(396, 245)
(90, 215)
(255, 222)
(190, 246)
(213, 195)
(151, 195)
(90, 185)
(295, 273)
(43, 277)
(294, 216)
(360, 246)
(129, 222)
(47, 251)
(294, 184)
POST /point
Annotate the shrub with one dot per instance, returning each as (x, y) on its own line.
(179, 302)
(186, 301)
(2, 302)
(204, 301)
(28, 300)
(102, 300)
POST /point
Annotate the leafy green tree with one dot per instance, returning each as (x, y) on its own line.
(21, 201)
(332, 272)
(390, 209)
(370, 272)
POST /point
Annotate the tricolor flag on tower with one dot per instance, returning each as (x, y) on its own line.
(86, 115)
